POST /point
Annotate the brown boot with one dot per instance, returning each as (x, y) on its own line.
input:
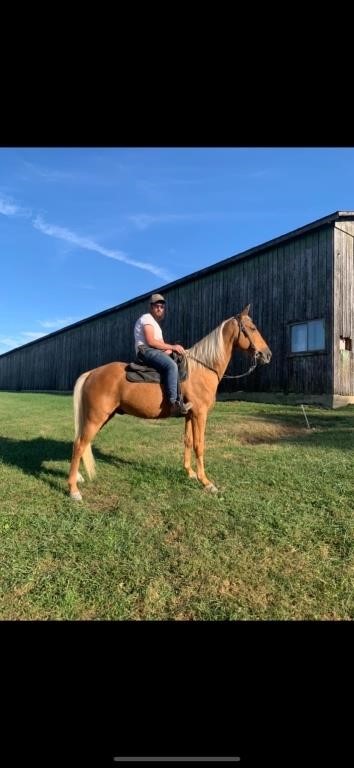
(180, 409)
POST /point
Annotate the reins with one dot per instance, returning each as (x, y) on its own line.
(191, 357)
(240, 375)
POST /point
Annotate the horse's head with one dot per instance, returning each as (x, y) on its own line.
(248, 338)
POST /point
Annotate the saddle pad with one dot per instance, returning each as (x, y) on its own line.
(139, 367)
(141, 373)
(138, 373)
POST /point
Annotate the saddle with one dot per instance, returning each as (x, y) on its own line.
(142, 373)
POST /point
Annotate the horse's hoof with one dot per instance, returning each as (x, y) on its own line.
(211, 488)
(79, 478)
(76, 496)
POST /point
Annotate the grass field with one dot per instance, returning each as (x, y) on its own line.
(148, 543)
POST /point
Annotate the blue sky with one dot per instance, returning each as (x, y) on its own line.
(82, 230)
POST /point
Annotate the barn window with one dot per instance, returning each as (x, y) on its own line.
(308, 337)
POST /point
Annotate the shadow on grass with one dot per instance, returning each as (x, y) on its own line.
(30, 456)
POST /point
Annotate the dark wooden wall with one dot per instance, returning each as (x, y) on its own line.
(287, 284)
(284, 284)
(343, 360)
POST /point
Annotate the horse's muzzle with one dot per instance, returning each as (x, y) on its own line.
(264, 357)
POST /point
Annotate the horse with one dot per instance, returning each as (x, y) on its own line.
(102, 392)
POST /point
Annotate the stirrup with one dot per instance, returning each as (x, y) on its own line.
(179, 408)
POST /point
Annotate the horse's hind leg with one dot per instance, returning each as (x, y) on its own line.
(74, 474)
(188, 445)
(79, 448)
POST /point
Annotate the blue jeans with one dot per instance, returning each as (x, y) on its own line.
(165, 366)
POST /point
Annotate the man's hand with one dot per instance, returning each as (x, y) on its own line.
(179, 349)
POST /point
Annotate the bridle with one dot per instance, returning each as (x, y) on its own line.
(241, 329)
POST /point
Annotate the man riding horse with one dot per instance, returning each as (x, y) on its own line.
(152, 350)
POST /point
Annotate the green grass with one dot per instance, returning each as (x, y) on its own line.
(148, 543)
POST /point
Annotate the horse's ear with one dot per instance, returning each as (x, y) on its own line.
(246, 310)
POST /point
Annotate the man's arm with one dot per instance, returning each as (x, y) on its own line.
(158, 343)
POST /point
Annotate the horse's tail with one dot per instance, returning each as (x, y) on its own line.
(87, 456)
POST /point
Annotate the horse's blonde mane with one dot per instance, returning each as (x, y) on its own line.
(210, 350)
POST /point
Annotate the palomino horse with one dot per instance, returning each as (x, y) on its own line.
(104, 391)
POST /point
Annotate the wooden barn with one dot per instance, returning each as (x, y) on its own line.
(301, 290)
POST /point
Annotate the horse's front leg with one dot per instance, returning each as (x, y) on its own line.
(198, 426)
(188, 445)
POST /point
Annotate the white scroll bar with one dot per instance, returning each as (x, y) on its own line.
(177, 759)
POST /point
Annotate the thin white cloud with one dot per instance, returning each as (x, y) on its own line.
(31, 335)
(60, 322)
(52, 174)
(9, 208)
(145, 220)
(46, 173)
(8, 341)
(154, 189)
(98, 173)
(90, 245)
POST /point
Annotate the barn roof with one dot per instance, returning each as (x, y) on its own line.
(318, 224)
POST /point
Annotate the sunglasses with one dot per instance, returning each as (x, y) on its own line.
(159, 306)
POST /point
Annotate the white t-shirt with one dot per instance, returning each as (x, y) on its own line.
(139, 336)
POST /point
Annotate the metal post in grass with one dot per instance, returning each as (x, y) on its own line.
(306, 419)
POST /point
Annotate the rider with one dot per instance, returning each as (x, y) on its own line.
(151, 350)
